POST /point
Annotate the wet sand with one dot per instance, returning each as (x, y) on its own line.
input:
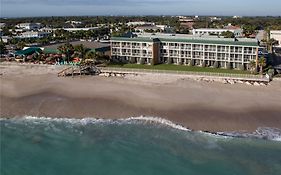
(37, 91)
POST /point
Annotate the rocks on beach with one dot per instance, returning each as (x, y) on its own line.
(112, 74)
(232, 81)
(172, 78)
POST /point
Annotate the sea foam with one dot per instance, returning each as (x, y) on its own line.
(261, 133)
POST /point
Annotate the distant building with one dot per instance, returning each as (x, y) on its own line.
(140, 23)
(261, 35)
(236, 17)
(80, 29)
(6, 39)
(2, 25)
(210, 31)
(145, 28)
(215, 19)
(232, 27)
(186, 50)
(33, 35)
(73, 22)
(276, 34)
(186, 22)
(29, 26)
(47, 29)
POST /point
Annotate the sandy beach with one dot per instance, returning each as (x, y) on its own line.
(35, 90)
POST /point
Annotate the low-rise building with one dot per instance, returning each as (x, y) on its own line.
(6, 39)
(29, 26)
(80, 29)
(215, 19)
(211, 31)
(276, 34)
(139, 23)
(73, 22)
(33, 35)
(2, 25)
(147, 28)
(186, 50)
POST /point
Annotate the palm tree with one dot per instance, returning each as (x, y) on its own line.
(90, 57)
(21, 45)
(81, 50)
(66, 49)
(2, 47)
(262, 63)
(269, 42)
(253, 65)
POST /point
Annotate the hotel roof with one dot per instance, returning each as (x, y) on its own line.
(191, 39)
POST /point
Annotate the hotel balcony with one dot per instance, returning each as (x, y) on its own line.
(174, 47)
(136, 54)
(126, 53)
(210, 50)
(115, 45)
(136, 47)
(147, 55)
(126, 46)
(185, 48)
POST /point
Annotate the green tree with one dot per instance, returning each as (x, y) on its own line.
(228, 34)
(66, 49)
(82, 50)
(249, 30)
(2, 47)
(21, 45)
(270, 43)
(253, 66)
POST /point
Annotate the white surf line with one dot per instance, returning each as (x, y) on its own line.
(161, 121)
(84, 121)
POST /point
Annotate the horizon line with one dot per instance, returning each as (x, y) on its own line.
(7, 17)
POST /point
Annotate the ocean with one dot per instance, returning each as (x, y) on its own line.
(44, 146)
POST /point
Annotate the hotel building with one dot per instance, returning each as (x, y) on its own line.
(185, 50)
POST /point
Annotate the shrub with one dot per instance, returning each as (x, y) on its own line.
(242, 67)
(169, 60)
(229, 66)
(204, 64)
(142, 61)
(132, 60)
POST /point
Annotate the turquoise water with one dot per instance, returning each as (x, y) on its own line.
(76, 147)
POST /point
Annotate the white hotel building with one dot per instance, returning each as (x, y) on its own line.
(186, 50)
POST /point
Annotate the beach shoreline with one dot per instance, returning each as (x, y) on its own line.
(31, 90)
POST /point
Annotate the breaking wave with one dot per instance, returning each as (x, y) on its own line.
(266, 133)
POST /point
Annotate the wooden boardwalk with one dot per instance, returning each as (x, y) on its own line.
(79, 70)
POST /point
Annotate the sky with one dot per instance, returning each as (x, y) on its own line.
(28, 8)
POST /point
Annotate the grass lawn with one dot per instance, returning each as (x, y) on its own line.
(179, 68)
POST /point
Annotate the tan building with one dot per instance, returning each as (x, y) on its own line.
(186, 50)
